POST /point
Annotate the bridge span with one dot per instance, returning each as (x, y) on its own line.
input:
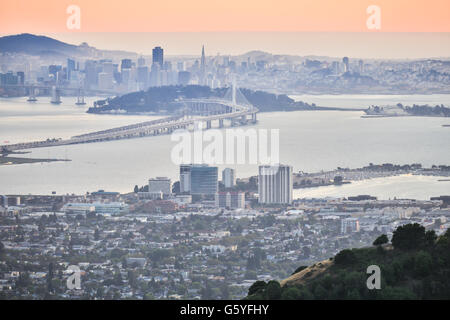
(193, 112)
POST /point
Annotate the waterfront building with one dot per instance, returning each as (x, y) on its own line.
(185, 178)
(198, 179)
(112, 208)
(228, 177)
(275, 184)
(160, 184)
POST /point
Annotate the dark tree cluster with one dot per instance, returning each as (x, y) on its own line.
(416, 266)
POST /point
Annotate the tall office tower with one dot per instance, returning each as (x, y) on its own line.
(142, 77)
(361, 67)
(141, 61)
(167, 66)
(158, 56)
(228, 177)
(275, 184)
(91, 74)
(105, 80)
(203, 67)
(180, 66)
(198, 179)
(155, 75)
(160, 184)
(126, 77)
(204, 179)
(108, 66)
(20, 77)
(345, 62)
(335, 67)
(126, 64)
(185, 178)
(70, 67)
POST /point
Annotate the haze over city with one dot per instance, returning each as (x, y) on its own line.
(377, 45)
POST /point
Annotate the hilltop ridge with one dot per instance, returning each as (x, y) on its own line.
(415, 266)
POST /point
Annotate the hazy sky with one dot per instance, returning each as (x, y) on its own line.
(352, 44)
(223, 15)
(301, 27)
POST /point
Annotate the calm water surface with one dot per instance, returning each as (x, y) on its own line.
(309, 140)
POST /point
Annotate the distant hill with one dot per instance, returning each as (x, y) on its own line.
(165, 98)
(43, 46)
(37, 45)
(415, 266)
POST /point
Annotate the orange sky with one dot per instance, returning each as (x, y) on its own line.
(40, 16)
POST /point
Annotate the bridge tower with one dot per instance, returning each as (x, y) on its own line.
(56, 95)
(80, 97)
(32, 95)
(233, 92)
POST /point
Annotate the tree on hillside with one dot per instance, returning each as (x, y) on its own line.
(273, 290)
(299, 269)
(430, 238)
(345, 257)
(256, 287)
(409, 237)
(381, 240)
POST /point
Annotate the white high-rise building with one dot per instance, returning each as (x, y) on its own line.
(228, 177)
(275, 184)
(159, 184)
(185, 178)
(105, 80)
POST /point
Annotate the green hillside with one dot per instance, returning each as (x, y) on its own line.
(165, 98)
(416, 265)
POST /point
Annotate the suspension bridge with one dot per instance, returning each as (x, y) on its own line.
(233, 109)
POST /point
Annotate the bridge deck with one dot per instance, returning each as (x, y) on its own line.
(143, 128)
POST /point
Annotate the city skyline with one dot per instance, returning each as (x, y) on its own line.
(380, 45)
(206, 150)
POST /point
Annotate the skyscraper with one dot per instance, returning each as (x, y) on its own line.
(185, 178)
(204, 180)
(203, 67)
(70, 67)
(345, 61)
(228, 178)
(126, 64)
(158, 56)
(275, 184)
(142, 77)
(198, 179)
(141, 61)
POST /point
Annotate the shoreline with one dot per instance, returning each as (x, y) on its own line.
(7, 161)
